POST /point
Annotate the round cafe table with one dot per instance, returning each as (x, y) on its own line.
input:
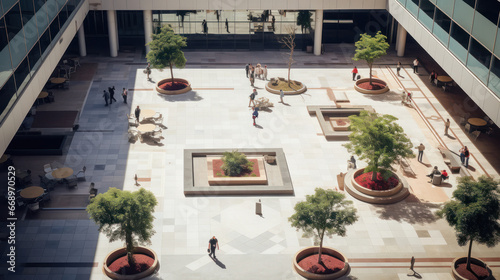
(43, 94)
(57, 80)
(4, 158)
(477, 122)
(32, 192)
(146, 128)
(62, 173)
(147, 113)
(444, 79)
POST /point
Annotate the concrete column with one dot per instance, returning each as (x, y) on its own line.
(318, 32)
(112, 34)
(148, 27)
(81, 41)
(117, 40)
(401, 40)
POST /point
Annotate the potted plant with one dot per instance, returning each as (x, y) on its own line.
(326, 212)
(473, 212)
(166, 52)
(380, 141)
(369, 49)
(126, 216)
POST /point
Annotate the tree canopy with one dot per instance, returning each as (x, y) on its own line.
(378, 140)
(326, 212)
(370, 48)
(304, 20)
(474, 212)
(166, 50)
(235, 163)
(125, 215)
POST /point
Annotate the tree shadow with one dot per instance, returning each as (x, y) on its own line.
(188, 96)
(446, 185)
(411, 210)
(219, 263)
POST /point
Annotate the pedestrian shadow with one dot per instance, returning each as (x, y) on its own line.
(258, 126)
(451, 137)
(219, 263)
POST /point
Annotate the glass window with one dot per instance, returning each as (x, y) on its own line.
(7, 96)
(6, 5)
(446, 6)
(63, 16)
(22, 75)
(441, 27)
(497, 44)
(42, 20)
(5, 62)
(479, 60)
(464, 12)
(459, 42)
(402, 2)
(34, 57)
(485, 22)
(29, 22)
(54, 28)
(44, 41)
(426, 13)
(494, 80)
(16, 35)
(412, 7)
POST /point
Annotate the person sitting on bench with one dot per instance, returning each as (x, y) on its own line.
(444, 175)
(434, 171)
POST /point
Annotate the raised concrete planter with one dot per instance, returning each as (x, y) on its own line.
(275, 91)
(365, 91)
(326, 251)
(118, 253)
(400, 192)
(464, 260)
(217, 181)
(173, 92)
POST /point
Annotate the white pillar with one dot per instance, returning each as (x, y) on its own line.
(148, 27)
(81, 41)
(117, 40)
(113, 44)
(318, 32)
(401, 40)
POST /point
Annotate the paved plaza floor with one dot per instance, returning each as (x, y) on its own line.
(216, 115)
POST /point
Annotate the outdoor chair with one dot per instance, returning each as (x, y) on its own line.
(133, 134)
(157, 134)
(80, 176)
(131, 121)
(70, 68)
(20, 202)
(47, 168)
(71, 182)
(486, 118)
(462, 121)
(475, 134)
(467, 128)
(34, 207)
(490, 131)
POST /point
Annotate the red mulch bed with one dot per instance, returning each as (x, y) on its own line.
(175, 86)
(143, 262)
(480, 271)
(365, 180)
(373, 86)
(311, 264)
(217, 167)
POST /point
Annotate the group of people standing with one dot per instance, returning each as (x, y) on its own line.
(109, 95)
(257, 71)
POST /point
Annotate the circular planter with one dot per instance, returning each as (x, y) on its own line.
(367, 91)
(327, 251)
(464, 260)
(118, 253)
(396, 194)
(277, 91)
(173, 92)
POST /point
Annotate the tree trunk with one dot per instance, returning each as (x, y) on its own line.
(468, 255)
(320, 247)
(374, 175)
(130, 249)
(172, 73)
(370, 65)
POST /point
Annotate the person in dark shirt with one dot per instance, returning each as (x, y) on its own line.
(212, 244)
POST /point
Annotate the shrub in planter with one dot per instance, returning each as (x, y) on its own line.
(235, 163)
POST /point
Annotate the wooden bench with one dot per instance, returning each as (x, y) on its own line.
(451, 159)
(340, 96)
(405, 165)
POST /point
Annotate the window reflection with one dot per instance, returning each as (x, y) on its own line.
(485, 22)
(441, 26)
(426, 13)
(494, 80)
(479, 60)
(464, 12)
(459, 42)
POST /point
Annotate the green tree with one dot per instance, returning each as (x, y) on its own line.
(378, 140)
(326, 212)
(166, 50)
(124, 215)
(235, 163)
(370, 48)
(474, 212)
(304, 20)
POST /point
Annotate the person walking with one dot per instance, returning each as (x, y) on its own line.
(404, 97)
(227, 26)
(204, 26)
(255, 114)
(353, 160)
(137, 113)
(421, 149)
(398, 68)
(212, 244)
(462, 155)
(446, 126)
(272, 22)
(415, 66)
(265, 72)
(247, 68)
(124, 95)
(252, 97)
(408, 99)
(148, 71)
(106, 97)
(282, 94)
(354, 73)
(466, 155)
(252, 75)
(111, 94)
